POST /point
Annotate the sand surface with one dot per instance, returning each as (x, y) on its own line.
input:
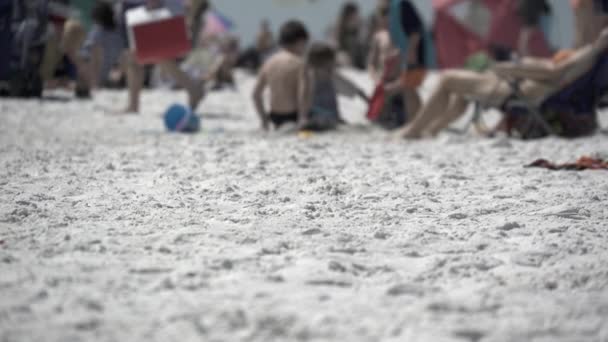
(113, 230)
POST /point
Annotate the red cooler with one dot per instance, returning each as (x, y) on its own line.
(157, 35)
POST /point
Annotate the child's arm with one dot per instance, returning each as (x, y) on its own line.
(346, 87)
(305, 91)
(258, 99)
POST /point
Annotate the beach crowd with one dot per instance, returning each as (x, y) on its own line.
(88, 46)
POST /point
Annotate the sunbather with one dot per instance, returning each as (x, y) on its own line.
(537, 79)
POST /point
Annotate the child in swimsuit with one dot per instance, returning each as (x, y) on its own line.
(319, 92)
(281, 74)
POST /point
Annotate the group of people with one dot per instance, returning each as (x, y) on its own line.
(303, 85)
(303, 79)
(99, 52)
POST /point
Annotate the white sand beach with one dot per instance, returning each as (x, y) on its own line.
(112, 229)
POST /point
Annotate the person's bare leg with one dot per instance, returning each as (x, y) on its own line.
(427, 114)
(455, 110)
(413, 103)
(195, 90)
(73, 37)
(52, 56)
(135, 81)
(487, 87)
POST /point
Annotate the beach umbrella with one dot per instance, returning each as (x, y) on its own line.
(465, 27)
(216, 23)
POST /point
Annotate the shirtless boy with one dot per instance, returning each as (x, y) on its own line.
(539, 78)
(281, 74)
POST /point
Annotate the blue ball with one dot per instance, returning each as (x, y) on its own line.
(179, 118)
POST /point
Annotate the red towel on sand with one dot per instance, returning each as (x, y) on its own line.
(584, 163)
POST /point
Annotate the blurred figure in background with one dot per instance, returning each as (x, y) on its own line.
(135, 72)
(588, 20)
(408, 33)
(221, 72)
(265, 43)
(382, 49)
(104, 45)
(531, 13)
(65, 42)
(253, 57)
(374, 23)
(348, 34)
(384, 66)
(195, 13)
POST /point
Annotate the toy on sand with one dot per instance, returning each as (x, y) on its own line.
(180, 118)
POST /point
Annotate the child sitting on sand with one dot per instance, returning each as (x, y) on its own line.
(281, 74)
(320, 84)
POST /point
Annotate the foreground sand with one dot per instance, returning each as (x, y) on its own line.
(113, 230)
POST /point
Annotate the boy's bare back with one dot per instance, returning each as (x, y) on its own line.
(281, 73)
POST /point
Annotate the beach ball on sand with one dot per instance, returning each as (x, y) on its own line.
(180, 118)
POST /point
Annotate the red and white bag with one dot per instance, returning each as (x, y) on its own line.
(157, 35)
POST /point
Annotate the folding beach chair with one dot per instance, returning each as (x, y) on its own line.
(584, 96)
(581, 97)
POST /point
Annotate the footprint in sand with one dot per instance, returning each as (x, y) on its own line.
(530, 259)
(509, 226)
(407, 290)
(472, 335)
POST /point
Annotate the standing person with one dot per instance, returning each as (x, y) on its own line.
(104, 44)
(281, 75)
(407, 32)
(588, 20)
(531, 13)
(66, 42)
(348, 36)
(135, 72)
(373, 23)
(382, 49)
(195, 12)
(265, 40)
(385, 69)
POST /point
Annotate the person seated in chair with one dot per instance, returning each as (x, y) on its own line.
(536, 78)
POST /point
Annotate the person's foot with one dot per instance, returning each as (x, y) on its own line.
(130, 110)
(406, 133)
(196, 95)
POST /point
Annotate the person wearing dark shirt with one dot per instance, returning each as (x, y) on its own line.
(408, 34)
(530, 13)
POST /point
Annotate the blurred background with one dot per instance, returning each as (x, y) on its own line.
(318, 15)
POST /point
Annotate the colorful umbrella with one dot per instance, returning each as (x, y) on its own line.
(217, 23)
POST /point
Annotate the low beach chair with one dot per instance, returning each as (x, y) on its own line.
(583, 97)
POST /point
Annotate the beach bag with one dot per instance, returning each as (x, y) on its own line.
(181, 119)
